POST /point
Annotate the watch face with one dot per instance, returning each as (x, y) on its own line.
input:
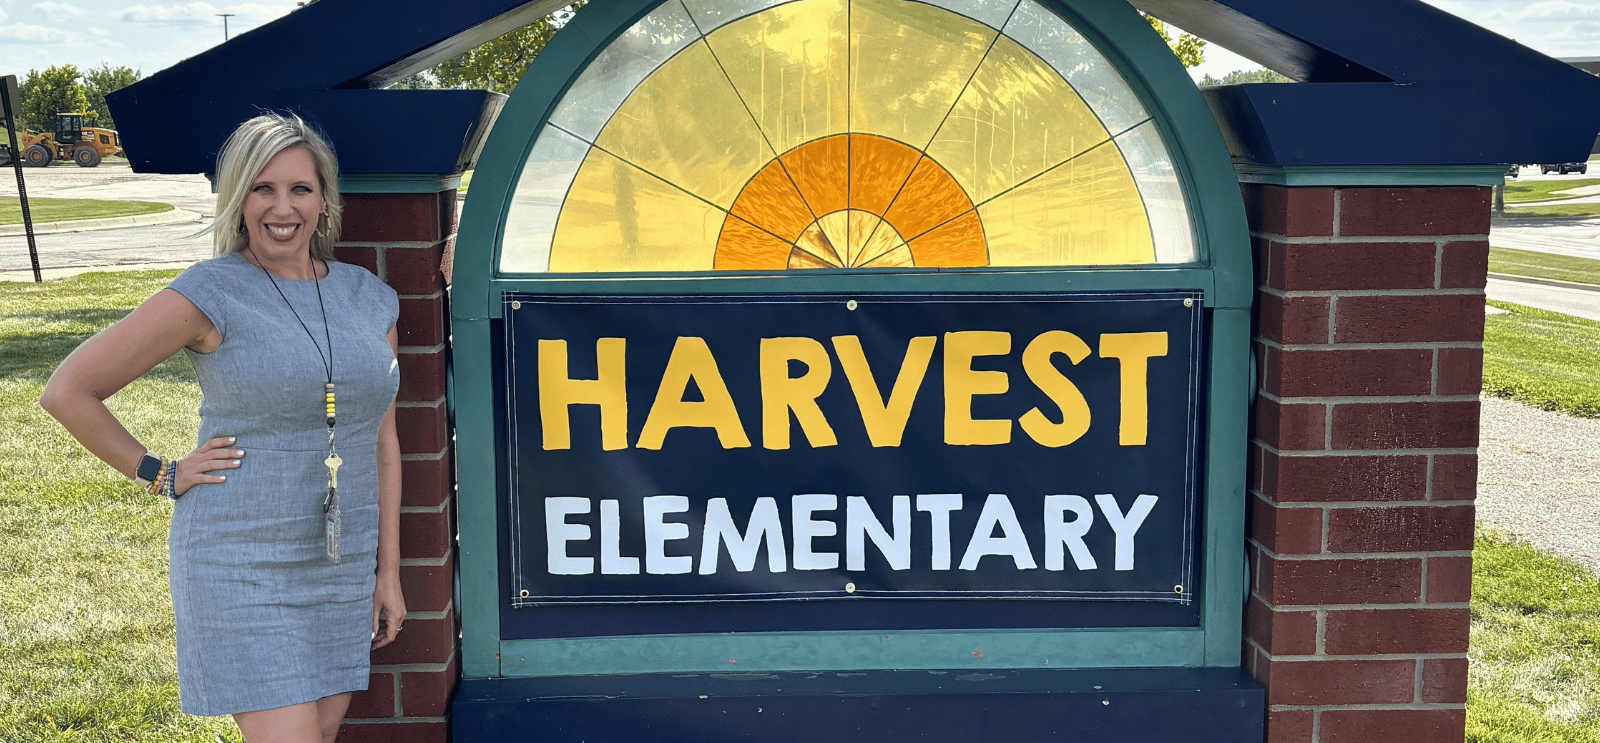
(149, 467)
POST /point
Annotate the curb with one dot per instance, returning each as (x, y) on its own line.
(1546, 282)
(170, 216)
(61, 272)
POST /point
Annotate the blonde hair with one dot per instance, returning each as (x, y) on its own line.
(243, 157)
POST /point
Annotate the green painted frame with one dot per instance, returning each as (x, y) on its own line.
(1224, 274)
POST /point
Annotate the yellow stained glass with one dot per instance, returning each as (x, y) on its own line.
(1084, 212)
(1017, 119)
(619, 218)
(789, 65)
(908, 64)
(685, 125)
(860, 134)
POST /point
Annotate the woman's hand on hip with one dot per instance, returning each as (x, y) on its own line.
(203, 464)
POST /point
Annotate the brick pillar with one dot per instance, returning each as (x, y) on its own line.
(1368, 337)
(402, 239)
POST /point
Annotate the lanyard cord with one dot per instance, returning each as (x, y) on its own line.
(327, 361)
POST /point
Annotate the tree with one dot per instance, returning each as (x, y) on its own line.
(1238, 77)
(45, 94)
(97, 83)
(499, 64)
(1190, 49)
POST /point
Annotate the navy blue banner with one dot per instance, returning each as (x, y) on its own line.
(738, 448)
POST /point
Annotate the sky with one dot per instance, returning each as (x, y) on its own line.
(149, 35)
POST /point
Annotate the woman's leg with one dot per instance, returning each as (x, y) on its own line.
(330, 714)
(296, 723)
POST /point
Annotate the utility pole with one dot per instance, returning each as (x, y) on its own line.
(225, 17)
(10, 105)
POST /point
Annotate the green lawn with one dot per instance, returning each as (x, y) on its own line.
(1542, 358)
(1544, 265)
(68, 210)
(85, 618)
(1520, 191)
(1551, 211)
(1535, 661)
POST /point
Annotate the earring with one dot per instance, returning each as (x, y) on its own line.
(324, 224)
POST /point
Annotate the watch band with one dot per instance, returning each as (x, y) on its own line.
(149, 469)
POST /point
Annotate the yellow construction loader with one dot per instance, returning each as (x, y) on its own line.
(86, 146)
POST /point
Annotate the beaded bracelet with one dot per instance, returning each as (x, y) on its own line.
(170, 482)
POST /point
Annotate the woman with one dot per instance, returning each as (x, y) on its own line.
(284, 540)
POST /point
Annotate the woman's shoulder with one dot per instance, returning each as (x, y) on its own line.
(212, 271)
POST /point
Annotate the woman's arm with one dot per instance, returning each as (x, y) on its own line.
(387, 602)
(108, 361)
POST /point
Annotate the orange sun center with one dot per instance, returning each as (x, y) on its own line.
(849, 201)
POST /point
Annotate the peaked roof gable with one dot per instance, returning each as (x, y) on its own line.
(1385, 82)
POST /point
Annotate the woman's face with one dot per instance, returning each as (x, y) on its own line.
(283, 204)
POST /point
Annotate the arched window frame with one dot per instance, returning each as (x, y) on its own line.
(1223, 273)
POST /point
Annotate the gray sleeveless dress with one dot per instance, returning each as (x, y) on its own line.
(264, 618)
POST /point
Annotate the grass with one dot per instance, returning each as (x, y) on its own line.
(1541, 358)
(1523, 191)
(1535, 649)
(85, 618)
(69, 210)
(1544, 265)
(1551, 211)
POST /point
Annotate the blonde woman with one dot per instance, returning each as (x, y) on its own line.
(284, 540)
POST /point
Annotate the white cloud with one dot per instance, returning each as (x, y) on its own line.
(185, 13)
(59, 12)
(2, 15)
(28, 33)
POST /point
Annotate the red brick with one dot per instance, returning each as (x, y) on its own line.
(1460, 371)
(1261, 259)
(428, 587)
(415, 271)
(424, 482)
(1459, 210)
(1291, 212)
(394, 732)
(1455, 477)
(447, 212)
(1409, 725)
(383, 217)
(1290, 725)
(1400, 529)
(1378, 631)
(426, 534)
(1291, 427)
(1464, 265)
(1409, 318)
(427, 694)
(1313, 682)
(422, 376)
(421, 641)
(1291, 320)
(1292, 582)
(1339, 373)
(1331, 266)
(1444, 681)
(1406, 425)
(1286, 531)
(376, 701)
(365, 257)
(1316, 479)
(421, 429)
(1450, 579)
(1281, 632)
(422, 321)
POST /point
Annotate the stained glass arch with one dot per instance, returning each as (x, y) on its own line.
(753, 135)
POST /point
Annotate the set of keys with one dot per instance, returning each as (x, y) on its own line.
(330, 506)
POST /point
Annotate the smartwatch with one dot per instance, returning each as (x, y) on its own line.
(149, 469)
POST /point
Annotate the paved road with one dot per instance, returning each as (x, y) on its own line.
(1578, 300)
(166, 243)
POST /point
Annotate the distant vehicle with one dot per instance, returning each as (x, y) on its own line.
(1512, 171)
(1564, 168)
(71, 140)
